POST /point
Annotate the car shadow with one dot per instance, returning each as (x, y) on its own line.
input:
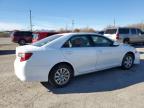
(141, 52)
(107, 80)
(7, 52)
(139, 46)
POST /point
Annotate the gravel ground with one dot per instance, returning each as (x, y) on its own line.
(5, 41)
(113, 88)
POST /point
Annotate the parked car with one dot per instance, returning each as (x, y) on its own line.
(101, 32)
(21, 37)
(40, 35)
(58, 58)
(125, 34)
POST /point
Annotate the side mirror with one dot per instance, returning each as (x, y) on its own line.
(115, 43)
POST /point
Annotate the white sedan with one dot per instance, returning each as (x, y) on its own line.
(58, 58)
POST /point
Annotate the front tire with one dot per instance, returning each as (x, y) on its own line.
(127, 62)
(60, 75)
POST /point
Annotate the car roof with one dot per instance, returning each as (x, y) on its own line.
(80, 33)
(122, 28)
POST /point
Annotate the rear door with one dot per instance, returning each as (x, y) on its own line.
(124, 33)
(140, 35)
(134, 37)
(27, 36)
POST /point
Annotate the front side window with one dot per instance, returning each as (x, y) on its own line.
(101, 41)
(77, 41)
(27, 33)
(17, 33)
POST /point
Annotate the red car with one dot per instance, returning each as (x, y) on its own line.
(40, 35)
(21, 37)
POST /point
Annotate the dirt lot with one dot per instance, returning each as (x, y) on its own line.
(5, 41)
(113, 88)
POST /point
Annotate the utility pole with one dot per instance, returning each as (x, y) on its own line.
(30, 21)
(73, 23)
(114, 22)
(66, 28)
(141, 25)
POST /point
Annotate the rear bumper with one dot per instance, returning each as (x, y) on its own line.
(14, 40)
(26, 72)
(34, 40)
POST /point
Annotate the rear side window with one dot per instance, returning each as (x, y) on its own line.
(17, 33)
(77, 41)
(133, 31)
(22, 33)
(139, 31)
(46, 40)
(111, 31)
(27, 33)
(123, 31)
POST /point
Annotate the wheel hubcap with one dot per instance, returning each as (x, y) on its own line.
(128, 61)
(62, 76)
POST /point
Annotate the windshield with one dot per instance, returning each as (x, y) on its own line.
(46, 40)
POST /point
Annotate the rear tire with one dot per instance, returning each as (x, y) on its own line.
(126, 41)
(22, 42)
(127, 62)
(60, 75)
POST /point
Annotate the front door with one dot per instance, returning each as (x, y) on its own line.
(108, 55)
(78, 51)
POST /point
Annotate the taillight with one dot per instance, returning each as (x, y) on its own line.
(24, 56)
(117, 36)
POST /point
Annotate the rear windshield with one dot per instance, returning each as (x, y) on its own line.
(111, 31)
(46, 40)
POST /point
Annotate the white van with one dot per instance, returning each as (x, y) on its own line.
(125, 34)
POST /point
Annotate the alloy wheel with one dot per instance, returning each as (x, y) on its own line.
(62, 76)
(128, 62)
